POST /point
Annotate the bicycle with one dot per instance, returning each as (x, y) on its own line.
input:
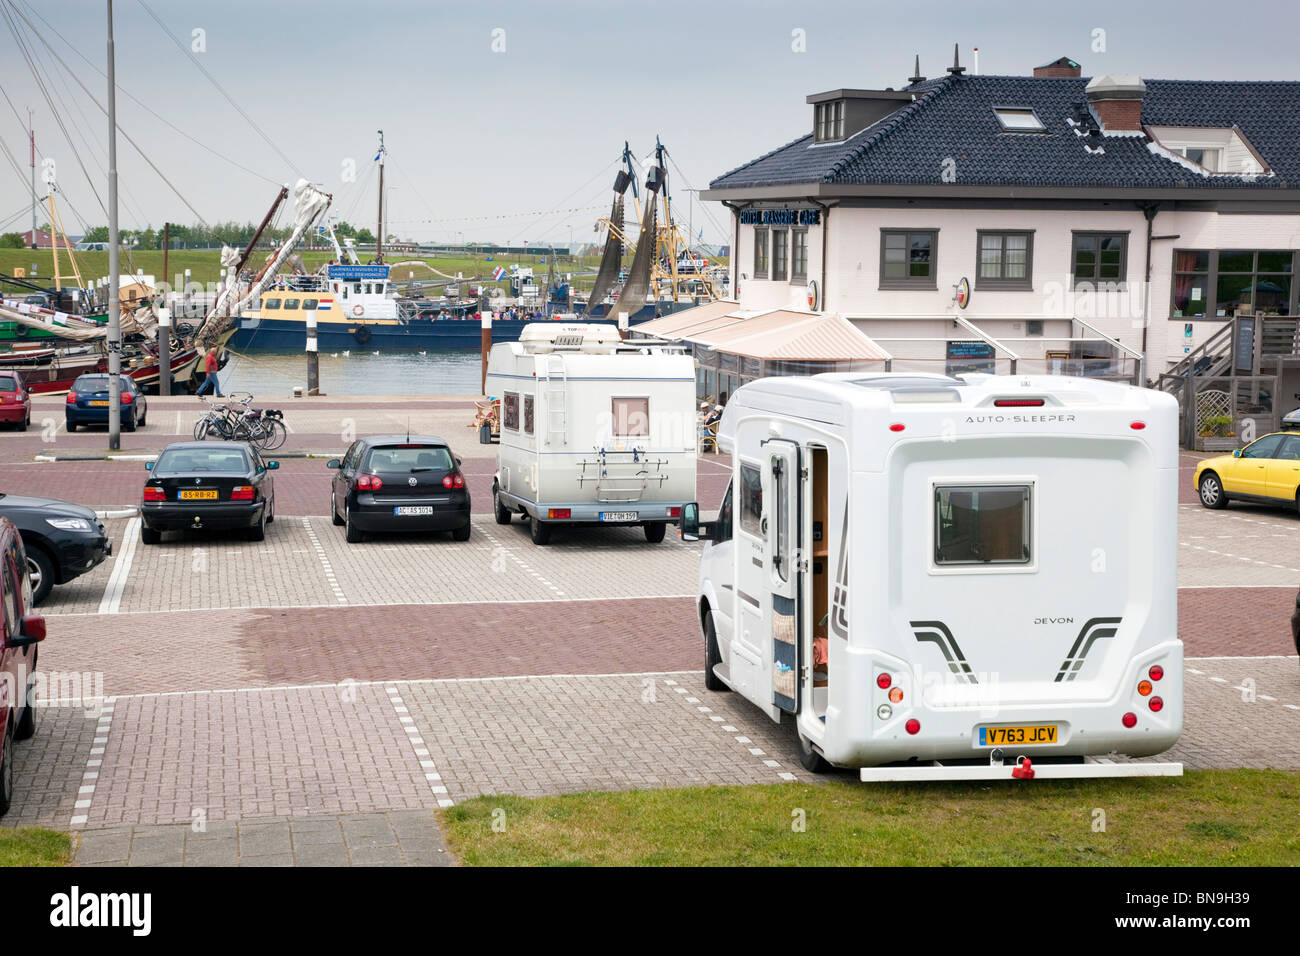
(239, 421)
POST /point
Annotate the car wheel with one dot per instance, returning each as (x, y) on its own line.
(811, 760)
(7, 773)
(354, 534)
(334, 511)
(270, 519)
(22, 425)
(1211, 491)
(539, 531)
(148, 535)
(41, 571)
(26, 727)
(712, 655)
(258, 531)
(72, 427)
(502, 512)
(462, 534)
(654, 531)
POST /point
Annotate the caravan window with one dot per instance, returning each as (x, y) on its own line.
(528, 414)
(722, 530)
(751, 500)
(510, 411)
(982, 524)
(631, 417)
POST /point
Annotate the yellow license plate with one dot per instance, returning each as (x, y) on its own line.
(98, 403)
(1018, 734)
(199, 495)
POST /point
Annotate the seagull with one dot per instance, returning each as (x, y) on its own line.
(374, 353)
(334, 355)
(346, 353)
(422, 352)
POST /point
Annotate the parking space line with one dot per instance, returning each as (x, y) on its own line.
(528, 569)
(728, 729)
(94, 760)
(111, 602)
(430, 770)
(325, 561)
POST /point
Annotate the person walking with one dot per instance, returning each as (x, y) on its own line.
(210, 366)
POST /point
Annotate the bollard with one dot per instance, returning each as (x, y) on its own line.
(485, 346)
(313, 358)
(164, 351)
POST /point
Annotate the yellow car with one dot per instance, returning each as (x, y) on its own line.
(1266, 471)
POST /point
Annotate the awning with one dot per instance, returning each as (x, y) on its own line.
(674, 326)
(785, 335)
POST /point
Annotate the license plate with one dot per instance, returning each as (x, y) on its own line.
(198, 495)
(413, 510)
(1018, 734)
(98, 404)
(618, 516)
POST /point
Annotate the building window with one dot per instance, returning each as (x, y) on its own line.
(829, 124)
(631, 417)
(528, 414)
(1211, 158)
(1228, 282)
(1006, 260)
(760, 253)
(1019, 119)
(510, 411)
(982, 524)
(780, 256)
(799, 255)
(907, 259)
(1100, 257)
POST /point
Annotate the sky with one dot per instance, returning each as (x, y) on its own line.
(504, 121)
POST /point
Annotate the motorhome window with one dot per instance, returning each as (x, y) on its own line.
(291, 303)
(751, 500)
(982, 524)
(511, 406)
(271, 304)
(528, 414)
(722, 531)
(631, 416)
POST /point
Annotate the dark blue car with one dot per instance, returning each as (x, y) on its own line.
(88, 400)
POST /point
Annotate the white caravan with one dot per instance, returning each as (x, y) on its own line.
(593, 429)
(949, 575)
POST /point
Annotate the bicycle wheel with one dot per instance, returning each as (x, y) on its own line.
(278, 434)
(207, 427)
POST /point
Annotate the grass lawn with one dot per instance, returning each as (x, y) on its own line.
(1206, 818)
(32, 846)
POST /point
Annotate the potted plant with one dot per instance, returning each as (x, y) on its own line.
(1218, 433)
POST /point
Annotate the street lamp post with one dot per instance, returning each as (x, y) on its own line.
(114, 342)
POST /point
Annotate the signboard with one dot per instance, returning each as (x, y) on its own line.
(970, 357)
(780, 217)
(961, 293)
(1244, 361)
(814, 295)
(352, 273)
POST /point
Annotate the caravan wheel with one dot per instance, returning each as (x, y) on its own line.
(654, 531)
(811, 760)
(711, 655)
(539, 530)
(502, 512)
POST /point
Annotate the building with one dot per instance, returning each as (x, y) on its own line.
(1134, 229)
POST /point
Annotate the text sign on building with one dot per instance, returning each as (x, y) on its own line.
(351, 273)
(780, 217)
(966, 357)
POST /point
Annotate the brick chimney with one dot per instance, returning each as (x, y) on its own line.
(1117, 100)
(1059, 68)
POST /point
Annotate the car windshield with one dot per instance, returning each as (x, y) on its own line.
(409, 458)
(193, 460)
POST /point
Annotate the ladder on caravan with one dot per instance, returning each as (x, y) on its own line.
(556, 392)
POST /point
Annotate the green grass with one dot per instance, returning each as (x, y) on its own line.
(1206, 818)
(32, 846)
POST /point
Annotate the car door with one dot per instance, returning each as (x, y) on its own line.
(343, 477)
(1249, 472)
(1282, 471)
(721, 562)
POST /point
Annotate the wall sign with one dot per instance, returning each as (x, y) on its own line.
(961, 293)
(970, 357)
(781, 217)
(814, 295)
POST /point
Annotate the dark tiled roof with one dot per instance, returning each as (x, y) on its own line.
(952, 117)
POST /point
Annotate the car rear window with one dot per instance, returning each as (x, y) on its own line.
(406, 457)
(218, 460)
(7, 384)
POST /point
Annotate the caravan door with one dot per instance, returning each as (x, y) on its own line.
(781, 554)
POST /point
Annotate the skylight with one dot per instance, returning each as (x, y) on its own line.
(1018, 118)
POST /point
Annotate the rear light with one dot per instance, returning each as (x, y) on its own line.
(154, 494)
(674, 512)
(241, 493)
(369, 483)
(126, 398)
(72, 398)
(453, 480)
(558, 512)
(883, 681)
(1144, 688)
(1018, 402)
(1156, 672)
(1130, 720)
(897, 427)
(913, 726)
(896, 695)
(1156, 704)
(1137, 426)
(884, 712)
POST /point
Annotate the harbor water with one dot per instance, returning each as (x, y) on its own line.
(272, 373)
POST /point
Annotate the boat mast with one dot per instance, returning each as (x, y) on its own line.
(31, 134)
(379, 239)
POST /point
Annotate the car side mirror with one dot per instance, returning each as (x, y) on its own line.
(1236, 453)
(458, 461)
(334, 463)
(148, 466)
(32, 632)
(272, 465)
(692, 529)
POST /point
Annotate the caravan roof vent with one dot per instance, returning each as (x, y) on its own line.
(568, 341)
(908, 390)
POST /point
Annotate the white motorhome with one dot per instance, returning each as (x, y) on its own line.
(938, 577)
(593, 429)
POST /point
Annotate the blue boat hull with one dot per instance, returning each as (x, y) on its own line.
(418, 334)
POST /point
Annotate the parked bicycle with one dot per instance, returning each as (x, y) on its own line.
(239, 421)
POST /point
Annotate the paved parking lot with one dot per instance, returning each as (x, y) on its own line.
(305, 701)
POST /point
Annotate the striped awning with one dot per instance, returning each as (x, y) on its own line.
(677, 325)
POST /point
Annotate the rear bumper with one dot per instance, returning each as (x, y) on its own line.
(449, 513)
(95, 416)
(14, 413)
(175, 516)
(587, 512)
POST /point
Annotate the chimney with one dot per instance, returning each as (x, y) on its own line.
(1064, 67)
(1116, 98)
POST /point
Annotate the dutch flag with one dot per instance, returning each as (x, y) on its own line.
(323, 304)
(497, 273)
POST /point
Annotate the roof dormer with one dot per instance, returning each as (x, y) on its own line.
(839, 114)
(1222, 149)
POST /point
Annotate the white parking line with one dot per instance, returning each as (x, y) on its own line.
(431, 775)
(111, 602)
(325, 562)
(95, 760)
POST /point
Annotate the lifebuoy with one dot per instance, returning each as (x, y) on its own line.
(362, 335)
(358, 310)
(20, 330)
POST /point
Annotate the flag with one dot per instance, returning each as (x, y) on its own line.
(498, 273)
(324, 304)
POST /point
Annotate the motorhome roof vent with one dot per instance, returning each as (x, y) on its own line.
(538, 337)
(908, 389)
(568, 341)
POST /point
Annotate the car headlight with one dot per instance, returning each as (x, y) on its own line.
(70, 524)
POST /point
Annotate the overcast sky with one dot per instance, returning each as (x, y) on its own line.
(475, 135)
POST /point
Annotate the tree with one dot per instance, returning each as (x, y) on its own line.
(11, 240)
(345, 229)
(97, 234)
(364, 236)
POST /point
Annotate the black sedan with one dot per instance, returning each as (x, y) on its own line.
(88, 402)
(399, 483)
(204, 484)
(63, 541)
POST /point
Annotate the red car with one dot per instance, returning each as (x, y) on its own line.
(20, 632)
(15, 402)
